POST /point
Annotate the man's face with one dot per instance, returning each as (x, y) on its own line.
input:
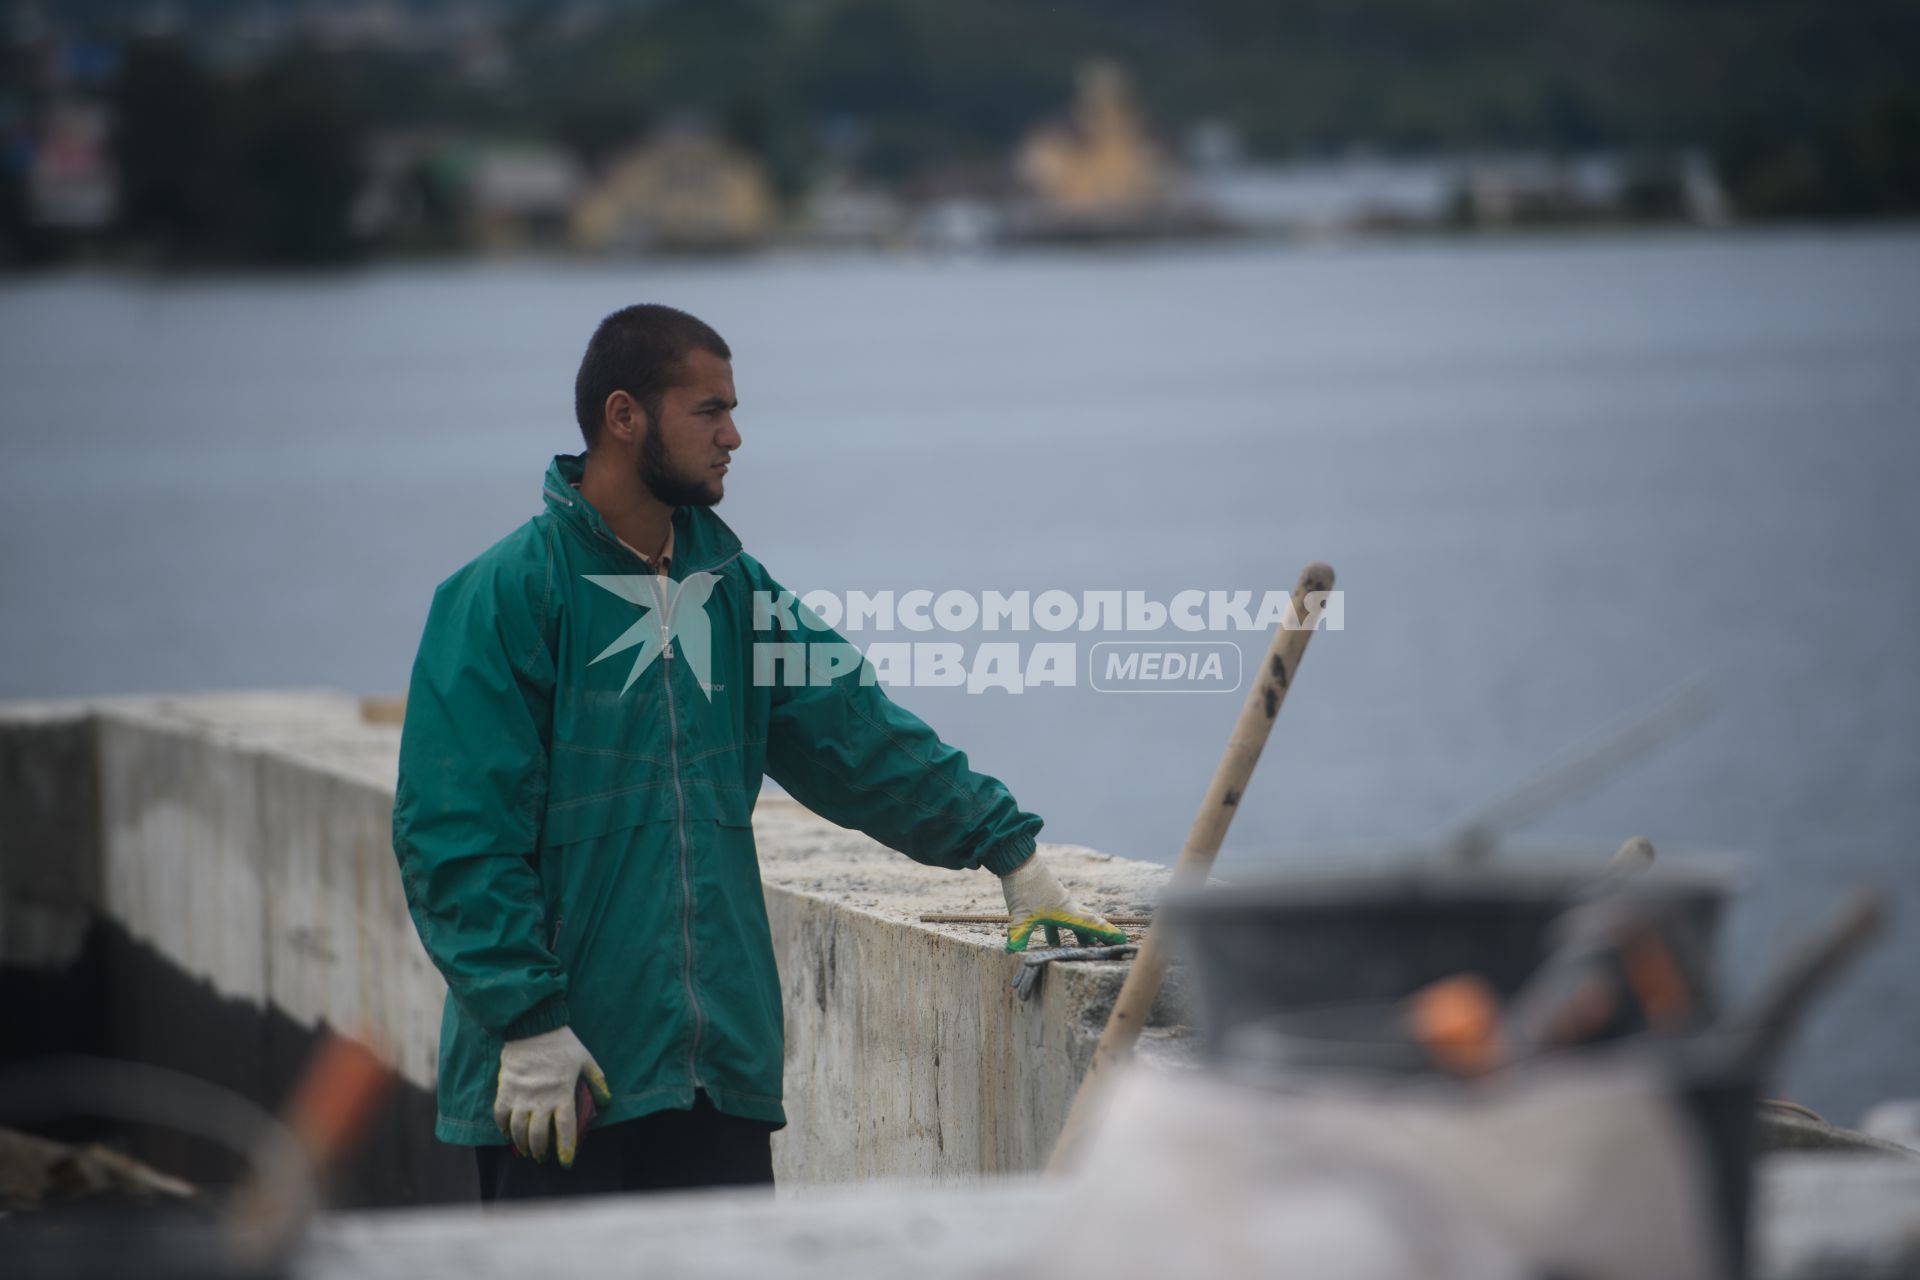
(684, 450)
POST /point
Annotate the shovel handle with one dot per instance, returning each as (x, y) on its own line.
(1250, 732)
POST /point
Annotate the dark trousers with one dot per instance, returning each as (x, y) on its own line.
(666, 1151)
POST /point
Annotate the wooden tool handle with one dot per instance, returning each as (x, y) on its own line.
(1264, 699)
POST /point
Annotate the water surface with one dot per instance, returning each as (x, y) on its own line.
(1557, 478)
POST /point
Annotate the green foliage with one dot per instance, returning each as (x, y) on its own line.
(1862, 160)
(595, 124)
(169, 145)
(18, 246)
(259, 170)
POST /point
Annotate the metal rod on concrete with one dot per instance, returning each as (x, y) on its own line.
(990, 917)
(1264, 698)
(1473, 839)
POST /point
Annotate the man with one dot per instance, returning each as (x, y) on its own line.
(591, 713)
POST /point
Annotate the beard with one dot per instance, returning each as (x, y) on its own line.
(666, 484)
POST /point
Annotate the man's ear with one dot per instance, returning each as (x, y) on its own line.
(623, 418)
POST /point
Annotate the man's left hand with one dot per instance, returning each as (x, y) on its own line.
(1036, 899)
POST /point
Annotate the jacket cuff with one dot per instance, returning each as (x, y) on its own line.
(1009, 854)
(549, 1015)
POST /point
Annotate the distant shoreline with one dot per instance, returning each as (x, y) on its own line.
(791, 250)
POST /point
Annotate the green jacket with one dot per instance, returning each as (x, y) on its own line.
(574, 835)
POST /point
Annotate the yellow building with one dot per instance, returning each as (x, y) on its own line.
(684, 190)
(1099, 161)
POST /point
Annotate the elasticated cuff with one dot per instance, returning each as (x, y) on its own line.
(549, 1015)
(1009, 855)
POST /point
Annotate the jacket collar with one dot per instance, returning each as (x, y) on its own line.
(701, 539)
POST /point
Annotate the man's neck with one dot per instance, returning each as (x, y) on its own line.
(636, 517)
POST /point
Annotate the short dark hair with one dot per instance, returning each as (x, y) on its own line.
(638, 350)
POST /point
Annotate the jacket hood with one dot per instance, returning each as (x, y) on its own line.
(701, 539)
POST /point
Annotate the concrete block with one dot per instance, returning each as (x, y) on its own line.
(908, 1054)
(49, 834)
(180, 859)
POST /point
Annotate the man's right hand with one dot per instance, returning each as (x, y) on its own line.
(1035, 899)
(535, 1092)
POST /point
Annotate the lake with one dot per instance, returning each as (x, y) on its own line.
(1558, 477)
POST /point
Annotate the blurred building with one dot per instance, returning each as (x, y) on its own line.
(1098, 160)
(520, 196)
(1329, 197)
(1099, 170)
(961, 207)
(1510, 190)
(683, 190)
(1361, 191)
(72, 181)
(435, 191)
(841, 211)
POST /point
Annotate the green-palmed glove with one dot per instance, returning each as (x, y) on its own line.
(1035, 898)
(539, 1091)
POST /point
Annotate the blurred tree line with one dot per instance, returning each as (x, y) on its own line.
(263, 167)
(1810, 107)
(257, 167)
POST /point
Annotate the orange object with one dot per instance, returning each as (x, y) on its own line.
(1656, 980)
(1457, 1020)
(335, 1097)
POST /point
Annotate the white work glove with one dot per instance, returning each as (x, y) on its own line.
(1035, 898)
(537, 1090)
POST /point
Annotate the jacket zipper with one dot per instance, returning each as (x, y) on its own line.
(680, 815)
(680, 831)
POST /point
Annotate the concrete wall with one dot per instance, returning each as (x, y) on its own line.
(244, 840)
(49, 834)
(908, 1055)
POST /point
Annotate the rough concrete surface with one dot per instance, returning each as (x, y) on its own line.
(829, 1234)
(908, 1055)
(1831, 1215)
(1821, 1217)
